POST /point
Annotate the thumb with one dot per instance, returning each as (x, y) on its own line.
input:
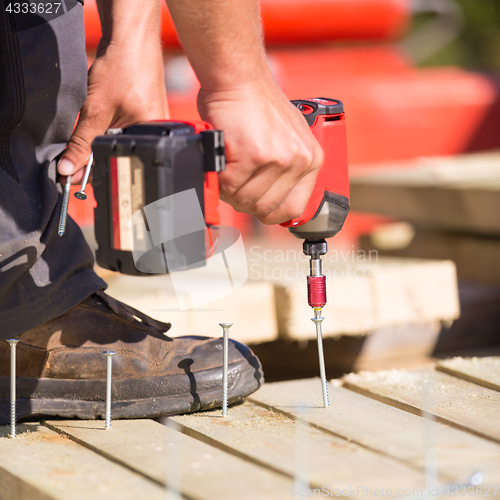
(79, 148)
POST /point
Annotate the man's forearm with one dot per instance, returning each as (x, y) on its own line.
(272, 158)
(223, 41)
(122, 23)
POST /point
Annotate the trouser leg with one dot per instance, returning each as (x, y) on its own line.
(43, 80)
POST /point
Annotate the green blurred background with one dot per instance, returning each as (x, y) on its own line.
(478, 46)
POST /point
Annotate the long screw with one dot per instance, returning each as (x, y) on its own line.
(64, 206)
(322, 370)
(13, 344)
(109, 355)
(225, 369)
(81, 193)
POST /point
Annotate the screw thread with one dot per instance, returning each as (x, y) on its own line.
(64, 207)
(224, 400)
(109, 367)
(225, 367)
(324, 387)
(13, 344)
(13, 419)
(317, 320)
(225, 373)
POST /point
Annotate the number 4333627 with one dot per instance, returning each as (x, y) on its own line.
(33, 8)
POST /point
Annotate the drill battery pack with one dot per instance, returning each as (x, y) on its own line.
(153, 183)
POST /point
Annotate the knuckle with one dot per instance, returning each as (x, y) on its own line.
(317, 160)
(226, 191)
(305, 157)
(246, 203)
(301, 158)
(226, 187)
(259, 158)
(262, 208)
(79, 145)
(284, 159)
(308, 157)
(320, 156)
(277, 156)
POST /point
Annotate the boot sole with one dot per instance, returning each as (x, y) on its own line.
(131, 398)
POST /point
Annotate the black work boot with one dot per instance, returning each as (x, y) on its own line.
(61, 369)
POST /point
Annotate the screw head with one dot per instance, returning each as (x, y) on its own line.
(317, 320)
(109, 354)
(12, 341)
(226, 325)
(81, 195)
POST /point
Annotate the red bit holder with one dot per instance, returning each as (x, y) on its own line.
(316, 291)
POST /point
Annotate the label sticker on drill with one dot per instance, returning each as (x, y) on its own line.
(127, 197)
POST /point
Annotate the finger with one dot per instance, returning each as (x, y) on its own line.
(245, 182)
(296, 201)
(281, 204)
(251, 189)
(294, 204)
(263, 193)
(77, 152)
(78, 176)
(269, 187)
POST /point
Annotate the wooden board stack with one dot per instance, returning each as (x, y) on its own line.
(362, 296)
(382, 308)
(454, 204)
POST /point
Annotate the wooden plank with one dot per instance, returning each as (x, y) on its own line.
(452, 193)
(382, 428)
(363, 296)
(280, 442)
(477, 258)
(452, 400)
(481, 371)
(156, 296)
(42, 465)
(204, 472)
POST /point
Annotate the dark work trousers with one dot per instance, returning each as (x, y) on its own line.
(43, 84)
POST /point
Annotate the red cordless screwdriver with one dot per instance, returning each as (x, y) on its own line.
(139, 166)
(328, 206)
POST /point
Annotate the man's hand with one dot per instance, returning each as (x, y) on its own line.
(126, 83)
(272, 157)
